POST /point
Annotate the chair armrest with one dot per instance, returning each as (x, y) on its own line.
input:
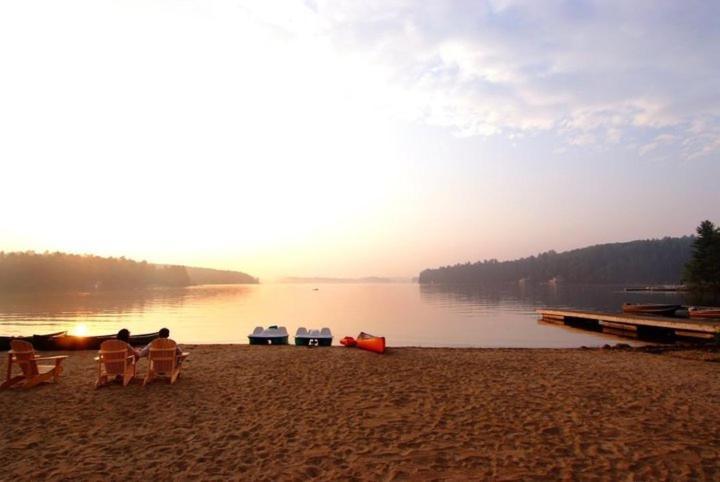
(130, 357)
(56, 357)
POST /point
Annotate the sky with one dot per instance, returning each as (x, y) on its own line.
(348, 139)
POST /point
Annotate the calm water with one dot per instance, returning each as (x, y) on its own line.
(407, 314)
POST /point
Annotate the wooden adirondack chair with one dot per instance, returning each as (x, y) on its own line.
(114, 360)
(23, 354)
(163, 359)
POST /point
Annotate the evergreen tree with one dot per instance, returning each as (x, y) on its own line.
(703, 269)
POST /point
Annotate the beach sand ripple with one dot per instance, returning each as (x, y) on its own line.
(287, 413)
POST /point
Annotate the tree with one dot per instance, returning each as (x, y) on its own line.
(703, 269)
(654, 261)
(61, 271)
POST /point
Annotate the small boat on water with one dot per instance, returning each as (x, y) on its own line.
(365, 341)
(61, 341)
(273, 335)
(704, 312)
(650, 309)
(313, 337)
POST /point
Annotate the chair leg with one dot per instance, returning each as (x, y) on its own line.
(12, 381)
(100, 379)
(38, 380)
(57, 371)
(148, 378)
(8, 373)
(30, 383)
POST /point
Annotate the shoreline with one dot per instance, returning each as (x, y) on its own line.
(284, 413)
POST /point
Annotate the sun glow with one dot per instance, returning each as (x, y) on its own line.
(333, 138)
(221, 151)
(80, 329)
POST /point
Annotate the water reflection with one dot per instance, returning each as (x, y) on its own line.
(51, 304)
(407, 314)
(529, 297)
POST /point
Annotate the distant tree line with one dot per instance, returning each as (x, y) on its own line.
(648, 261)
(702, 272)
(40, 271)
(207, 276)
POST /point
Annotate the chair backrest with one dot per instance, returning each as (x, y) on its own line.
(301, 331)
(326, 332)
(114, 355)
(162, 355)
(24, 354)
(258, 330)
(282, 331)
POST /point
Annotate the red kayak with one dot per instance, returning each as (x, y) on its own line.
(371, 343)
(365, 341)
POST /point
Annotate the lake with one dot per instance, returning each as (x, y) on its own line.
(406, 314)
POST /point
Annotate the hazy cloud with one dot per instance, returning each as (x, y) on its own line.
(591, 71)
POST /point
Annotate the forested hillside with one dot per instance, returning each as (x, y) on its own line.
(36, 271)
(27, 271)
(647, 261)
(207, 276)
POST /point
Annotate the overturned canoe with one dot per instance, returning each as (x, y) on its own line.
(700, 312)
(305, 337)
(650, 309)
(61, 341)
(36, 340)
(369, 342)
(65, 342)
(274, 335)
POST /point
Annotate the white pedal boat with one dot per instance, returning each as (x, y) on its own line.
(273, 335)
(313, 337)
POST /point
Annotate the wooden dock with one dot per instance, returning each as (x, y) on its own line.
(658, 288)
(635, 326)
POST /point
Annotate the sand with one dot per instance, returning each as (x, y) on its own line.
(287, 413)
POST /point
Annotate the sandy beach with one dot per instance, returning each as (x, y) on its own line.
(287, 413)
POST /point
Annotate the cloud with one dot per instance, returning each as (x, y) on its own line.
(591, 71)
(659, 141)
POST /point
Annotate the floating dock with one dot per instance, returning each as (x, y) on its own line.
(635, 326)
(660, 288)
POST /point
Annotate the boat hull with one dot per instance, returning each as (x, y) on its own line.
(308, 341)
(36, 340)
(709, 313)
(650, 309)
(371, 343)
(76, 343)
(273, 335)
(268, 340)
